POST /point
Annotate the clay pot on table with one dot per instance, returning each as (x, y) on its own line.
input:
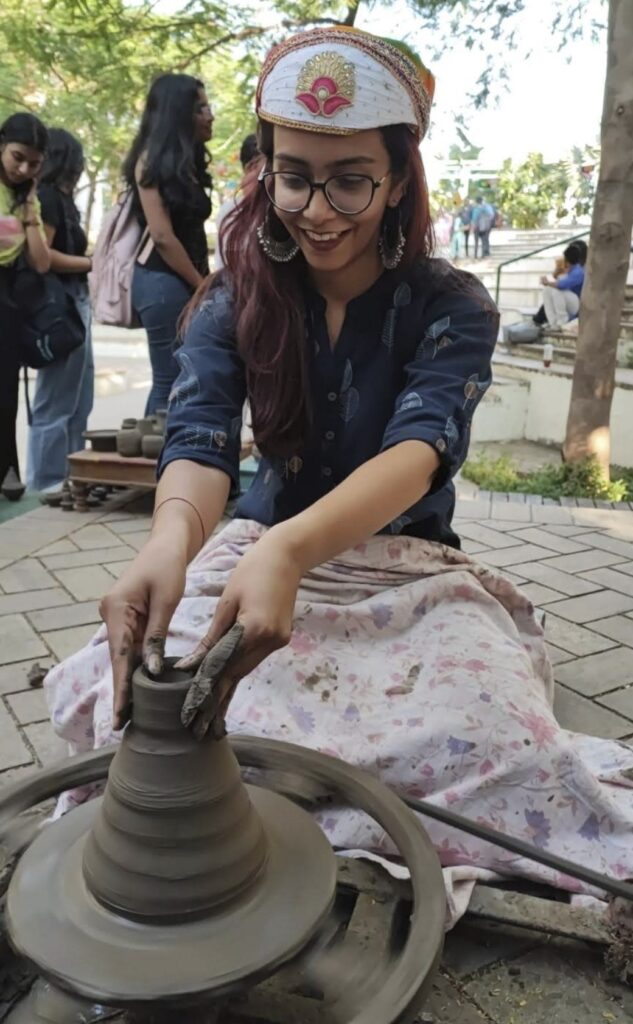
(152, 445)
(146, 425)
(101, 440)
(161, 421)
(128, 442)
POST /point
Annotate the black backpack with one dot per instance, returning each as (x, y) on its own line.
(51, 325)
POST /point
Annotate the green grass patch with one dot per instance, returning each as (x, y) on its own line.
(572, 480)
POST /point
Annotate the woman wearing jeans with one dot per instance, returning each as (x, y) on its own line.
(167, 170)
(65, 389)
(23, 142)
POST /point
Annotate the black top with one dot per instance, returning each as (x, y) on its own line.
(59, 212)
(188, 222)
(412, 362)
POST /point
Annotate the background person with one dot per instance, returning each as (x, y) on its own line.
(249, 156)
(457, 235)
(167, 170)
(540, 317)
(561, 295)
(23, 141)
(465, 216)
(64, 390)
(482, 223)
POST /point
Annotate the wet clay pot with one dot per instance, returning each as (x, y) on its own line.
(152, 445)
(128, 442)
(177, 834)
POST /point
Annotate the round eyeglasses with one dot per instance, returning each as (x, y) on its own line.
(346, 193)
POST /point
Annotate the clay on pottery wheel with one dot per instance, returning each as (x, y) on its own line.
(128, 442)
(182, 883)
(177, 834)
(152, 445)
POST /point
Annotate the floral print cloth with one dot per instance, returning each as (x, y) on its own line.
(425, 669)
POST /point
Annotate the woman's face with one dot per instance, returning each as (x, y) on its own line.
(20, 163)
(330, 240)
(202, 118)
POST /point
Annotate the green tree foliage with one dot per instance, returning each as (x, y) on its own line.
(531, 191)
(528, 192)
(87, 64)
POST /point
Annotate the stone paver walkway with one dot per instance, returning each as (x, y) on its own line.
(576, 564)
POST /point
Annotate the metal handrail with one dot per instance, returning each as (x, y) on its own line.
(535, 252)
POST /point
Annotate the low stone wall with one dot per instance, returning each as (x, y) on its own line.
(531, 404)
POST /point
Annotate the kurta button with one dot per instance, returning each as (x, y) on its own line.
(329, 436)
(327, 471)
(332, 396)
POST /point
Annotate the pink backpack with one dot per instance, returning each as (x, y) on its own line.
(118, 248)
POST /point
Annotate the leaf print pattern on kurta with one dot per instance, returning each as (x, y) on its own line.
(348, 404)
(401, 298)
(474, 389)
(411, 400)
(435, 339)
(469, 723)
(349, 400)
(187, 384)
(452, 433)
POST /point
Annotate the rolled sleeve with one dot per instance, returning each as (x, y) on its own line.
(445, 380)
(204, 419)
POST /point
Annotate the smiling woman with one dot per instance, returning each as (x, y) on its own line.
(366, 633)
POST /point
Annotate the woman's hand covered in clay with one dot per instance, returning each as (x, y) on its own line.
(260, 594)
(137, 612)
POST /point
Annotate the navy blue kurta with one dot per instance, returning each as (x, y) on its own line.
(412, 362)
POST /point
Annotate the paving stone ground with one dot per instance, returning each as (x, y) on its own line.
(576, 564)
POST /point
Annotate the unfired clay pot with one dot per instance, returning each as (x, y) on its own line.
(152, 445)
(146, 425)
(128, 442)
(161, 421)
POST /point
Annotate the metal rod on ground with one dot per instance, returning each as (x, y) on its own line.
(523, 849)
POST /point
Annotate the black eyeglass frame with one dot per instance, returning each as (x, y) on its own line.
(321, 186)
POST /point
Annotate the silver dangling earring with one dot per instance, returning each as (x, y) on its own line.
(278, 252)
(392, 241)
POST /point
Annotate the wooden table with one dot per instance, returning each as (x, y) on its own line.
(88, 468)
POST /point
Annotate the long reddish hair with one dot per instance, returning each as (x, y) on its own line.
(269, 308)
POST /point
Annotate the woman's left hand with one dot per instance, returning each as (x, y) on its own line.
(260, 594)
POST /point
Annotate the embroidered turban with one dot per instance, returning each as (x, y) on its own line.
(341, 80)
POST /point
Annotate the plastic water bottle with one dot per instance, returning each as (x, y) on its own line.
(548, 353)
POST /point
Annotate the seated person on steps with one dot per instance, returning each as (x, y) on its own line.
(561, 293)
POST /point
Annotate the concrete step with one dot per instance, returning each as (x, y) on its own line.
(562, 354)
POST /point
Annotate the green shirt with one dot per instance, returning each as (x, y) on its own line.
(12, 234)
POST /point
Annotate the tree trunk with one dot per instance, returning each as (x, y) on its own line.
(609, 253)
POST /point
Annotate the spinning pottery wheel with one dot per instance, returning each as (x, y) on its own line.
(180, 891)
